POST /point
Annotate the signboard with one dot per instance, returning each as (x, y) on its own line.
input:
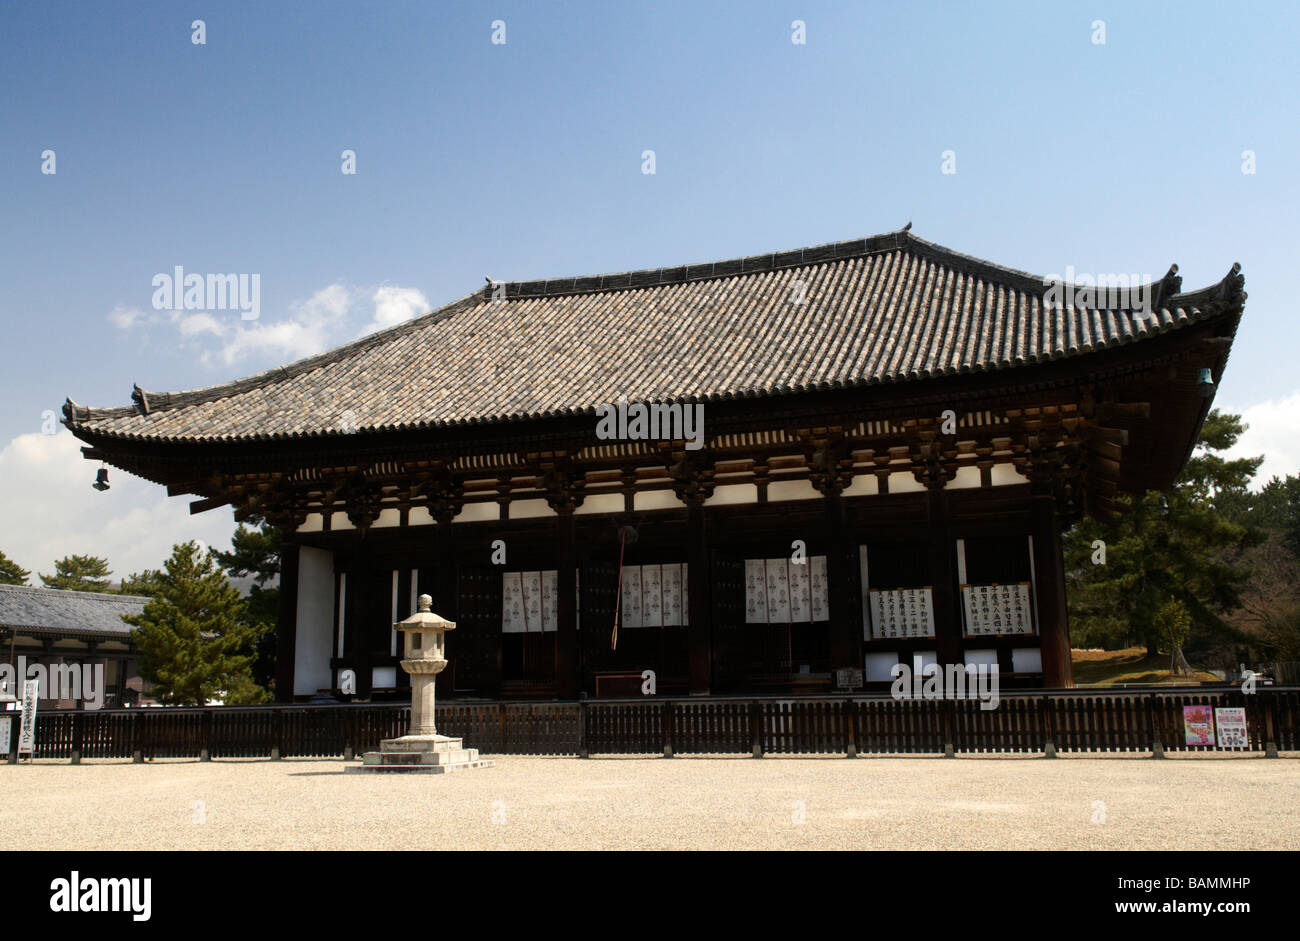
(1198, 724)
(5, 723)
(848, 678)
(997, 609)
(27, 730)
(1231, 722)
(905, 612)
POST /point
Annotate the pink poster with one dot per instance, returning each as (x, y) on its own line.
(1198, 721)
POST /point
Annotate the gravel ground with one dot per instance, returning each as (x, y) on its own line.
(1228, 802)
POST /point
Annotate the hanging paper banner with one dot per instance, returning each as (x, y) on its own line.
(550, 600)
(652, 598)
(997, 609)
(778, 592)
(903, 612)
(821, 607)
(512, 603)
(755, 591)
(630, 615)
(672, 591)
(800, 591)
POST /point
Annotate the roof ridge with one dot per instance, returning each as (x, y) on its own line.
(104, 595)
(1162, 291)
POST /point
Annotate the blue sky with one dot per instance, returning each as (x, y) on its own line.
(524, 160)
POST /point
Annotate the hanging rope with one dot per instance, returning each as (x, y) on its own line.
(622, 543)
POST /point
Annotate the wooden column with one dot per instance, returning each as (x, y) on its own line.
(1049, 578)
(699, 636)
(846, 628)
(947, 615)
(566, 604)
(286, 622)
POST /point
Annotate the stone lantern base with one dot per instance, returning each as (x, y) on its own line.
(428, 754)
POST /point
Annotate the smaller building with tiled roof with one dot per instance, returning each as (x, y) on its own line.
(53, 626)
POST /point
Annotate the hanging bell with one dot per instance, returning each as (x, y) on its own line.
(101, 479)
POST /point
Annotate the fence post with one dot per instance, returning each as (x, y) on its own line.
(756, 728)
(948, 709)
(277, 733)
(1155, 726)
(76, 737)
(1049, 730)
(137, 753)
(668, 729)
(205, 736)
(851, 729)
(582, 729)
(348, 721)
(1270, 728)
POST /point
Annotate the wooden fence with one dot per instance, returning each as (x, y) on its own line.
(1038, 721)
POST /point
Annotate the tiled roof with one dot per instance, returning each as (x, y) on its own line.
(891, 308)
(79, 612)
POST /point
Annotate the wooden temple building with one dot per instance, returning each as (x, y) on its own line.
(894, 436)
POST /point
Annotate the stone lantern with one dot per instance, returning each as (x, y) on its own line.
(425, 645)
(422, 748)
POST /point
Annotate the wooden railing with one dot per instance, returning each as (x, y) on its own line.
(1037, 721)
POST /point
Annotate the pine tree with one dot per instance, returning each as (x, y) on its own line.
(146, 583)
(256, 552)
(11, 573)
(1181, 544)
(79, 573)
(192, 633)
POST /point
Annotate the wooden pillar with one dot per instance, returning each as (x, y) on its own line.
(286, 622)
(566, 604)
(846, 628)
(947, 614)
(1049, 592)
(699, 635)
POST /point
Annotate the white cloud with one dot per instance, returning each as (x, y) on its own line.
(309, 329)
(394, 305)
(311, 326)
(124, 318)
(1273, 430)
(50, 510)
(191, 324)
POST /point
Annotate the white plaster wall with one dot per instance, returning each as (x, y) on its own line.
(732, 494)
(1004, 474)
(391, 516)
(528, 509)
(791, 490)
(474, 512)
(904, 482)
(1026, 660)
(864, 485)
(315, 629)
(656, 500)
(964, 479)
(601, 503)
(878, 666)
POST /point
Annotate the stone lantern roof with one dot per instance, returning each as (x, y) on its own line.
(424, 619)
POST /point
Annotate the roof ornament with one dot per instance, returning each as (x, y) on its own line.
(1166, 287)
(140, 399)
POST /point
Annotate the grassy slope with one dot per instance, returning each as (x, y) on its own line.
(1132, 665)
